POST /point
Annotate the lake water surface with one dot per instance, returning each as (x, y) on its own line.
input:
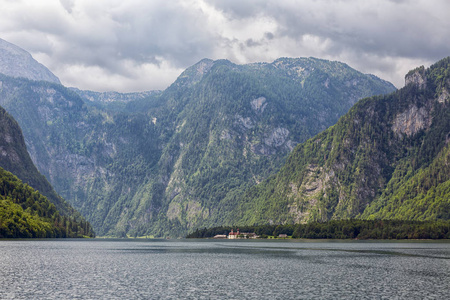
(223, 269)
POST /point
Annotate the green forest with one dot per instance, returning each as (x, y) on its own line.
(25, 213)
(341, 229)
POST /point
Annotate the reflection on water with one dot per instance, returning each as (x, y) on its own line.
(211, 269)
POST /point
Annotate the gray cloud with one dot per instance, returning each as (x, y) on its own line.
(140, 45)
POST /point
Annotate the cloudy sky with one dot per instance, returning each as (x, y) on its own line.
(135, 45)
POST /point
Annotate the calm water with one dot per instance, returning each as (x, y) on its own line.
(212, 269)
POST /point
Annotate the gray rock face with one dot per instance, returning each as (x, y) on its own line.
(16, 62)
(444, 96)
(416, 77)
(412, 121)
(259, 104)
(277, 137)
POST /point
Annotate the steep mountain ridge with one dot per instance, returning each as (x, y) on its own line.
(108, 97)
(118, 102)
(15, 159)
(387, 158)
(25, 212)
(16, 62)
(180, 159)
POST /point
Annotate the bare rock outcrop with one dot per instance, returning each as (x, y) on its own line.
(417, 77)
(411, 121)
(277, 137)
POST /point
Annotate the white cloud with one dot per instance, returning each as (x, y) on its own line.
(149, 76)
(140, 45)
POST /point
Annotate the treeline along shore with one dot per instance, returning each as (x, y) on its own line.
(341, 229)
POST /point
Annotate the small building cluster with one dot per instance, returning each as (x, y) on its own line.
(237, 235)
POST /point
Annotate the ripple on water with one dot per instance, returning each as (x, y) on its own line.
(129, 269)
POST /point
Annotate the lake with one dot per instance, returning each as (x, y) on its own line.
(223, 269)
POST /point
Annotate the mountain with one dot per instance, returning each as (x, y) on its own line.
(387, 158)
(115, 101)
(182, 158)
(108, 97)
(16, 62)
(15, 159)
(234, 125)
(88, 155)
(25, 212)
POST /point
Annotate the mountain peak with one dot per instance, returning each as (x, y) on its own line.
(16, 62)
(417, 77)
(195, 73)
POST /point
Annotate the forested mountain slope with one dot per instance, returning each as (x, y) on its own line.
(387, 158)
(182, 158)
(235, 124)
(84, 152)
(25, 212)
(15, 159)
